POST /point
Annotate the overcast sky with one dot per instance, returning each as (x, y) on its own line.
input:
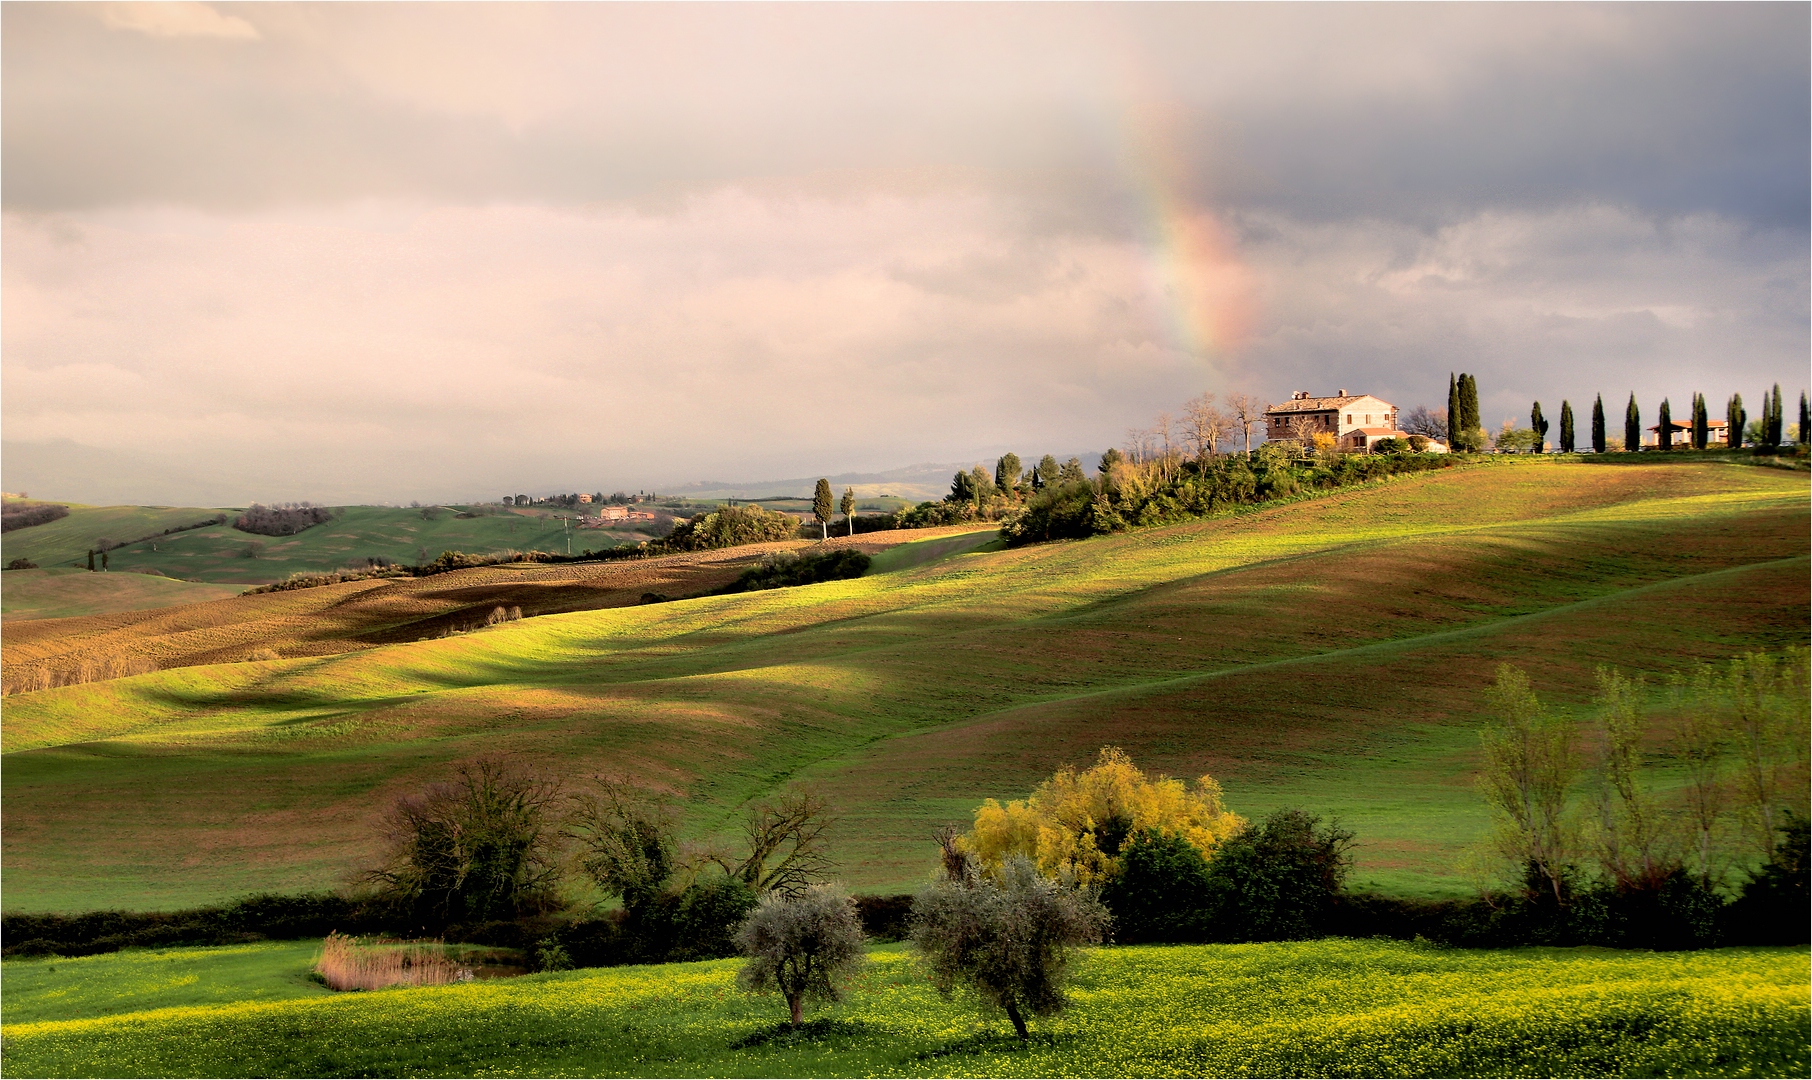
(356, 252)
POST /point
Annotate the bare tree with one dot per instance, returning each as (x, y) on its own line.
(785, 845)
(1204, 425)
(1248, 412)
(1138, 442)
(483, 846)
(1302, 429)
(804, 946)
(1422, 420)
(625, 838)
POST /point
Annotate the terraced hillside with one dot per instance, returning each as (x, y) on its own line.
(1327, 653)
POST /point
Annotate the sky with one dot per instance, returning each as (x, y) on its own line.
(389, 252)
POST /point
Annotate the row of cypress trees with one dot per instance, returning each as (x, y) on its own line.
(1772, 428)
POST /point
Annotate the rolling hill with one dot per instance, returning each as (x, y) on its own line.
(218, 553)
(1327, 653)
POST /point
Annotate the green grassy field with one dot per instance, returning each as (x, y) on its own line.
(1326, 653)
(221, 553)
(62, 594)
(1326, 1008)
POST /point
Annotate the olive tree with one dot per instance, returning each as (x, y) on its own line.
(1010, 936)
(802, 946)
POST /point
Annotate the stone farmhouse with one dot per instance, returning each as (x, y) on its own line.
(1357, 421)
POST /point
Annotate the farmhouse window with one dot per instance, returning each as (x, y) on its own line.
(1349, 418)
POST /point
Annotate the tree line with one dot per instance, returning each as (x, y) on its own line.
(282, 519)
(1766, 433)
(1602, 841)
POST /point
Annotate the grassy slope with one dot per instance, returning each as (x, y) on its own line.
(361, 614)
(139, 980)
(218, 553)
(1309, 1008)
(70, 593)
(1326, 653)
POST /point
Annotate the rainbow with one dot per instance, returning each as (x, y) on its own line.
(1192, 265)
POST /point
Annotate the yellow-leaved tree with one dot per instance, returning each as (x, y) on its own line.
(1076, 822)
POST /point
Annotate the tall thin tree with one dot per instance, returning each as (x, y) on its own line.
(1802, 418)
(1734, 421)
(1701, 424)
(1453, 411)
(1598, 440)
(1538, 424)
(821, 507)
(1632, 427)
(1774, 419)
(848, 507)
(1664, 426)
(1566, 426)
(1469, 412)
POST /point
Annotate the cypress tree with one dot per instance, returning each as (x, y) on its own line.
(1598, 424)
(1774, 419)
(821, 507)
(1734, 419)
(1664, 426)
(1453, 412)
(1566, 426)
(1632, 427)
(1802, 418)
(848, 506)
(1538, 424)
(1701, 423)
(1469, 412)
(91, 560)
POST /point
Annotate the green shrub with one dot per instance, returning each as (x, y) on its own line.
(784, 568)
(1277, 881)
(1161, 891)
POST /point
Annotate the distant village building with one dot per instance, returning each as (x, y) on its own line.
(609, 515)
(1356, 421)
(584, 498)
(1714, 433)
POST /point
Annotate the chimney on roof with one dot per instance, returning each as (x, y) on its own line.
(1299, 395)
(1343, 391)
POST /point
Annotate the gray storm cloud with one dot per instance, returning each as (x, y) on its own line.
(395, 251)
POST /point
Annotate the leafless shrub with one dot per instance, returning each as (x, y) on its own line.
(484, 846)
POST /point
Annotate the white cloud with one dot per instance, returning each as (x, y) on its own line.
(175, 19)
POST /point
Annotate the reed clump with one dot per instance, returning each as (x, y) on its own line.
(349, 963)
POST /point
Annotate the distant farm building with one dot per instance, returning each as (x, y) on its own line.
(610, 515)
(1714, 433)
(1356, 421)
(584, 498)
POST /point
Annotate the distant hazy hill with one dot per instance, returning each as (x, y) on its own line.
(926, 480)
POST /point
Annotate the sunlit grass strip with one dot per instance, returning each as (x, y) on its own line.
(1303, 1009)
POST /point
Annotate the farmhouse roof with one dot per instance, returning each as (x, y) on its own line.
(1686, 425)
(1304, 403)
